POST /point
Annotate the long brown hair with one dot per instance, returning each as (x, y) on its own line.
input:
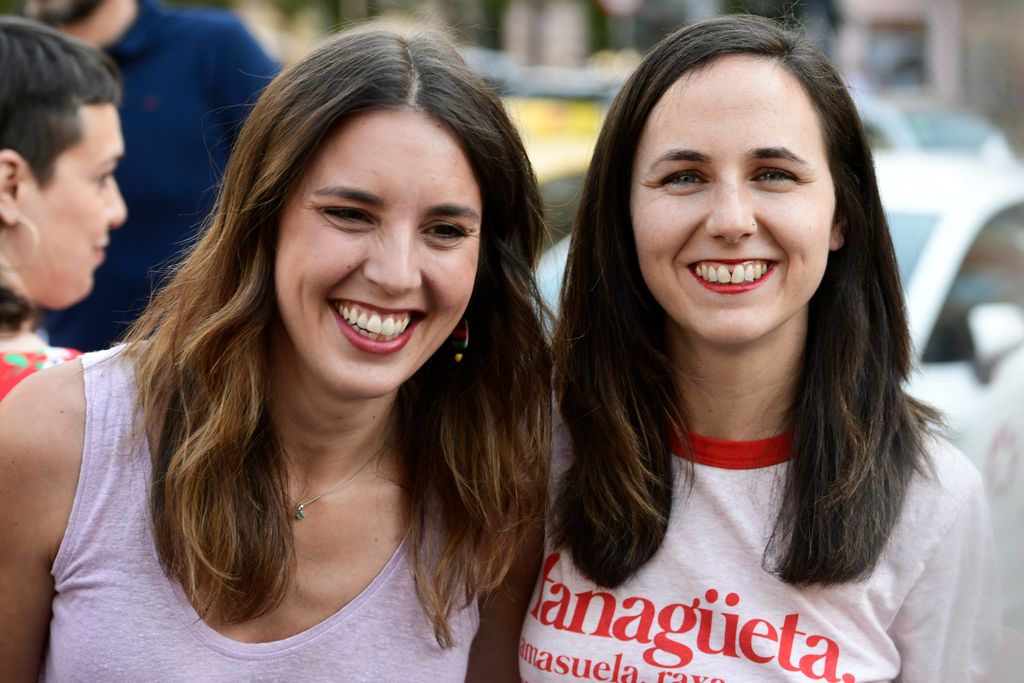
(857, 435)
(473, 435)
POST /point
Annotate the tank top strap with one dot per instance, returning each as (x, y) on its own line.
(110, 504)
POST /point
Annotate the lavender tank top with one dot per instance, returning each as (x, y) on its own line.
(117, 617)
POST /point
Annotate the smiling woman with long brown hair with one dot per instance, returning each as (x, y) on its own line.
(320, 452)
(743, 490)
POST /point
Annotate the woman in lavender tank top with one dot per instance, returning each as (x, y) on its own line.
(301, 464)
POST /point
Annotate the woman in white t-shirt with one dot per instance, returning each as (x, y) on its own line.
(742, 490)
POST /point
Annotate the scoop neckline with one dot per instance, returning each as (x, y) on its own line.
(217, 641)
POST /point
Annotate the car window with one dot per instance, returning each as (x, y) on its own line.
(992, 271)
(910, 232)
(951, 131)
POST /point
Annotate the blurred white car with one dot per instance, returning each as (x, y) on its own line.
(928, 125)
(958, 228)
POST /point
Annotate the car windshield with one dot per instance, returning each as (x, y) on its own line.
(910, 232)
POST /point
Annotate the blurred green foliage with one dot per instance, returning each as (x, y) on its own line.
(600, 38)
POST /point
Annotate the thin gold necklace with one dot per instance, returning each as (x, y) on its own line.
(300, 512)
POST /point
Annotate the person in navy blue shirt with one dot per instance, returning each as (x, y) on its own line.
(190, 75)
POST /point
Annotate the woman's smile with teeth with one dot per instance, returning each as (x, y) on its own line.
(735, 274)
(373, 324)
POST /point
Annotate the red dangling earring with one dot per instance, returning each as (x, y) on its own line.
(460, 339)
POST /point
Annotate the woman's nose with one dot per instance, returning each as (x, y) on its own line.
(392, 262)
(117, 211)
(731, 217)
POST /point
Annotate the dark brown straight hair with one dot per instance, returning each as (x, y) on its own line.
(857, 437)
(473, 435)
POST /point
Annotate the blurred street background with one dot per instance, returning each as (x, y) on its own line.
(963, 54)
(940, 86)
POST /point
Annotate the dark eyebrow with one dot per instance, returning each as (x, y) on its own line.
(682, 155)
(701, 158)
(454, 211)
(775, 153)
(340, 192)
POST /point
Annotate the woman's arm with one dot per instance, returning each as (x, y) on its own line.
(42, 424)
(494, 656)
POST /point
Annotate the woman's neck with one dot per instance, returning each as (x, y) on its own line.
(738, 393)
(24, 339)
(325, 440)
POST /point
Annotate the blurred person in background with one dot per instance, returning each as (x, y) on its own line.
(328, 477)
(190, 75)
(60, 141)
(743, 490)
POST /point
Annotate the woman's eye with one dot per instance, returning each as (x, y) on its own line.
(345, 214)
(775, 175)
(447, 231)
(683, 178)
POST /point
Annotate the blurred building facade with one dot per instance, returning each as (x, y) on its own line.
(962, 52)
(993, 75)
(965, 52)
(902, 44)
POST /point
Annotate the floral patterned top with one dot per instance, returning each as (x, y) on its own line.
(17, 365)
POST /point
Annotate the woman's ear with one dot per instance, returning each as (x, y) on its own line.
(14, 170)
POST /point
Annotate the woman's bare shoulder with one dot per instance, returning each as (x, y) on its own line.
(45, 410)
(42, 424)
(42, 431)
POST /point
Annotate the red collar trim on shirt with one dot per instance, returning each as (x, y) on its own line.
(735, 455)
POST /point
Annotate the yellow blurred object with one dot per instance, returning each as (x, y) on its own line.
(559, 135)
(548, 116)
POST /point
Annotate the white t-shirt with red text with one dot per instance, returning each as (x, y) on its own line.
(704, 610)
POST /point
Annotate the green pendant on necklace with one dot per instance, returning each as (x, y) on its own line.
(300, 513)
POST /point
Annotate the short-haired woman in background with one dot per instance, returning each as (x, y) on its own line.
(60, 141)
